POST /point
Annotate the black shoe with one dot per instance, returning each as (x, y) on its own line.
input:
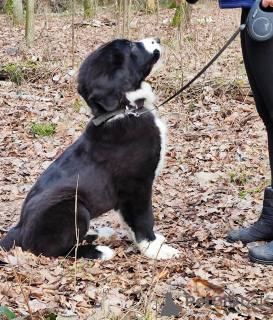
(262, 254)
(262, 230)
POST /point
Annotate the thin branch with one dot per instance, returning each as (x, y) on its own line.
(73, 34)
(19, 283)
(76, 229)
(155, 261)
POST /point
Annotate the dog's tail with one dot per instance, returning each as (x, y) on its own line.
(12, 238)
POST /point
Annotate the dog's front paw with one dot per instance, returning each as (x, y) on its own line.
(106, 253)
(156, 250)
(167, 252)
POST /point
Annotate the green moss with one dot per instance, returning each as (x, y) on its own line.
(18, 72)
(189, 38)
(15, 73)
(191, 106)
(77, 104)
(239, 178)
(43, 128)
(182, 14)
(172, 5)
(8, 7)
(176, 18)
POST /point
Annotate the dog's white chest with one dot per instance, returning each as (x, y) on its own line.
(145, 92)
(162, 129)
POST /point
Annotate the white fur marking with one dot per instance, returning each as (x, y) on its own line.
(145, 92)
(119, 116)
(162, 129)
(151, 45)
(150, 249)
(107, 253)
(156, 250)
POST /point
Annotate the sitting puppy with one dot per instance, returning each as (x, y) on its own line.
(114, 161)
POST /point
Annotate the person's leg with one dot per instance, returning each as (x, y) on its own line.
(257, 59)
(259, 68)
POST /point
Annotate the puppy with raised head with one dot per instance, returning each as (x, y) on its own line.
(115, 161)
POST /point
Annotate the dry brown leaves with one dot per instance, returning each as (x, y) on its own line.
(216, 167)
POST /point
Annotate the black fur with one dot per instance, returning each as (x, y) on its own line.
(114, 162)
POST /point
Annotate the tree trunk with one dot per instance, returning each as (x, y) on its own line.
(182, 16)
(30, 22)
(129, 20)
(125, 17)
(73, 34)
(151, 5)
(88, 8)
(17, 8)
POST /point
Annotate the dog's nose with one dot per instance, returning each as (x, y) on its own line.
(156, 39)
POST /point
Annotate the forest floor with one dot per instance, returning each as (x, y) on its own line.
(216, 169)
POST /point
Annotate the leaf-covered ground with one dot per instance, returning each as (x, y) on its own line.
(215, 171)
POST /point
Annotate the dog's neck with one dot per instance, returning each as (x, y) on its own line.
(141, 99)
(144, 94)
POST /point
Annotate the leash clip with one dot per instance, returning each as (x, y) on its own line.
(128, 112)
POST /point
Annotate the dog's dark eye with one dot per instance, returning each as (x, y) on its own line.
(152, 42)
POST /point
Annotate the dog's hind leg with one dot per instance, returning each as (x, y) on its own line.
(91, 251)
(54, 233)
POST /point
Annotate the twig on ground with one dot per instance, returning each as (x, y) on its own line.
(155, 261)
(18, 281)
(76, 229)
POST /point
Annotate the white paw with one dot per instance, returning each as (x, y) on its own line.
(167, 252)
(159, 237)
(107, 253)
(104, 232)
(156, 250)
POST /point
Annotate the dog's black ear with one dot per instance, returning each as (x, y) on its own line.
(99, 98)
(104, 76)
(106, 100)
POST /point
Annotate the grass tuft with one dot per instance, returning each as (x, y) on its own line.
(15, 73)
(43, 128)
(239, 178)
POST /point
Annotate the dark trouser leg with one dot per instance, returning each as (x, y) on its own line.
(259, 67)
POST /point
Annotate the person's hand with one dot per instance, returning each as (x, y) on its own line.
(267, 3)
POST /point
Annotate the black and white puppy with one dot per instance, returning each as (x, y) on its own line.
(114, 161)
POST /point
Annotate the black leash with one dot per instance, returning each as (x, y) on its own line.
(137, 112)
(260, 27)
(241, 28)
